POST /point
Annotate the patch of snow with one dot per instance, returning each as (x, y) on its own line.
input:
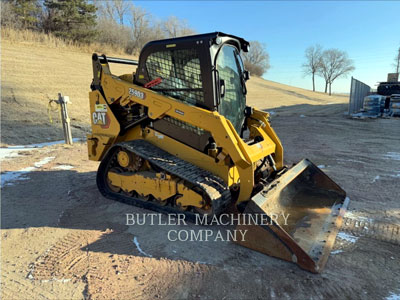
(59, 217)
(392, 155)
(351, 160)
(272, 293)
(302, 116)
(347, 237)
(8, 178)
(135, 241)
(63, 280)
(41, 145)
(63, 167)
(8, 153)
(396, 175)
(321, 166)
(376, 178)
(336, 251)
(350, 215)
(393, 296)
(12, 151)
(44, 161)
(203, 262)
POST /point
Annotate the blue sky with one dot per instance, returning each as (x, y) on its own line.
(368, 31)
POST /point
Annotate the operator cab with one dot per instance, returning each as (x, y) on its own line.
(204, 70)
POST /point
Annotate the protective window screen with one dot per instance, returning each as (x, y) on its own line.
(180, 73)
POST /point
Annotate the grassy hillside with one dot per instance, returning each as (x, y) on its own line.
(32, 73)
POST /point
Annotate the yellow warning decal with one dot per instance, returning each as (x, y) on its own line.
(100, 107)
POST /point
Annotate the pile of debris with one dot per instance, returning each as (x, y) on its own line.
(376, 106)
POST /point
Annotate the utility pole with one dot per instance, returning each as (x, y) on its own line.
(398, 62)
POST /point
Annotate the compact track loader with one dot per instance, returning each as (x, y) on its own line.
(176, 136)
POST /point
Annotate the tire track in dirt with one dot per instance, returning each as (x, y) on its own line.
(136, 277)
(64, 260)
(86, 256)
(19, 287)
(386, 232)
(367, 263)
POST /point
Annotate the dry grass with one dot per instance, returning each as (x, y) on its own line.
(269, 95)
(31, 74)
(29, 37)
(36, 69)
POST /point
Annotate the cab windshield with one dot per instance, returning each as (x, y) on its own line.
(233, 100)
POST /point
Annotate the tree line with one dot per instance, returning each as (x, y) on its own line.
(329, 64)
(114, 22)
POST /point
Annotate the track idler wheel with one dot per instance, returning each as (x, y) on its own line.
(124, 159)
(129, 160)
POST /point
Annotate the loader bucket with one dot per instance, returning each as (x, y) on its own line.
(314, 206)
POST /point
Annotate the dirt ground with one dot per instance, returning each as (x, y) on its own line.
(60, 239)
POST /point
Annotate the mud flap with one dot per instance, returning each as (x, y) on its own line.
(296, 217)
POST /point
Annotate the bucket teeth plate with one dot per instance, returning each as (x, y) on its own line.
(304, 209)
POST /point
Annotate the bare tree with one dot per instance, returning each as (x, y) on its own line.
(110, 30)
(174, 27)
(121, 8)
(334, 64)
(313, 62)
(113, 33)
(114, 9)
(124, 25)
(140, 26)
(105, 9)
(256, 61)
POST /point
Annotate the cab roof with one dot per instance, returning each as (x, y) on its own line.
(205, 37)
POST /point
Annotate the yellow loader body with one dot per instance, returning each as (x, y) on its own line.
(144, 162)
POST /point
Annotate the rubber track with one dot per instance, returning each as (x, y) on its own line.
(213, 186)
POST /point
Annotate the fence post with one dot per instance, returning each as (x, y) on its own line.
(63, 100)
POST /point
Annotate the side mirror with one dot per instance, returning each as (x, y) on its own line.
(222, 87)
(248, 111)
(246, 75)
